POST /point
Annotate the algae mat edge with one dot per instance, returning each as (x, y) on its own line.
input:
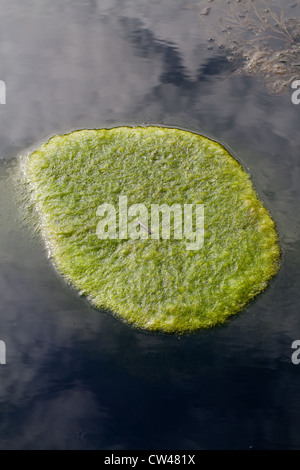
(157, 285)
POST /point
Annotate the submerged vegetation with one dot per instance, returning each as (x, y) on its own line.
(154, 284)
(266, 38)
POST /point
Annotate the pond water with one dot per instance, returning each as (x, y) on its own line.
(78, 378)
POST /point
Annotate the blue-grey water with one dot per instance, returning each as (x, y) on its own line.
(78, 378)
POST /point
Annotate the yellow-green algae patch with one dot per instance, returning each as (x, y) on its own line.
(156, 285)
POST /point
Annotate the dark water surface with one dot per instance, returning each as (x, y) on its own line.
(77, 378)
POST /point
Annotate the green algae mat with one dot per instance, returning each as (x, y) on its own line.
(161, 227)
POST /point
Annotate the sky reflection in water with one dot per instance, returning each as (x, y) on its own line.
(78, 378)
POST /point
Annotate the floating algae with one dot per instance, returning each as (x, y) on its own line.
(153, 283)
(260, 38)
